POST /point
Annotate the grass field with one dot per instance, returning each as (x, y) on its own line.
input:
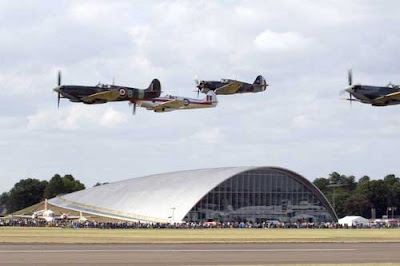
(58, 235)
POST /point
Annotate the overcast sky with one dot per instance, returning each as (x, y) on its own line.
(302, 48)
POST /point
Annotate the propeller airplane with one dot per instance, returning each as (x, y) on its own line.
(49, 216)
(170, 103)
(103, 93)
(374, 95)
(229, 86)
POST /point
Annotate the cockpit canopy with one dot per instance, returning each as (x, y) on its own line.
(227, 80)
(393, 86)
(103, 86)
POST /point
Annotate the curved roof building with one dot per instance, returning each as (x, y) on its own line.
(223, 194)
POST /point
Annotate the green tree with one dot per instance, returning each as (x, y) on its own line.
(62, 185)
(341, 195)
(3, 202)
(25, 193)
(341, 190)
(393, 190)
(390, 179)
(378, 196)
(55, 187)
(28, 192)
(357, 204)
(71, 184)
(322, 184)
(347, 182)
(363, 179)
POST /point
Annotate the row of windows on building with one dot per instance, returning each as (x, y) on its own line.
(261, 194)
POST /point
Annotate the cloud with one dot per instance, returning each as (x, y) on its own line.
(303, 48)
(112, 118)
(208, 135)
(76, 118)
(269, 41)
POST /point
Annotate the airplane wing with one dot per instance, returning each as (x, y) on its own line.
(105, 96)
(20, 216)
(395, 96)
(68, 218)
(230, 88)
(173, 104)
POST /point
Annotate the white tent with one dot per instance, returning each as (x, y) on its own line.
(353, 220)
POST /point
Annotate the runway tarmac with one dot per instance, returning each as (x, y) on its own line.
(200, 254)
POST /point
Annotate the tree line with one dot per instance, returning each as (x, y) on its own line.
(364, 197)
(28, 192)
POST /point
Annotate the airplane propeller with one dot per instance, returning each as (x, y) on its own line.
(197, 82)
(350, 77)
(350, 82)
(58, 84)
(134, 107)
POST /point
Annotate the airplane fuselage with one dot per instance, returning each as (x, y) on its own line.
(190, 103)
(76, 93)
(206, 86)
(367, 94)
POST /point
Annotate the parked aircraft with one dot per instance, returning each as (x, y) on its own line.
(374, 95)
(229, 86)
(103, 93)
(49, 216)
(171, 103)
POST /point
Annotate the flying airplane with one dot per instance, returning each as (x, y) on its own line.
(229, 86)
(170, 103)
(49, 216)
(374, 95)
(103, 93)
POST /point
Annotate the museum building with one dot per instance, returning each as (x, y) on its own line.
(232, 194)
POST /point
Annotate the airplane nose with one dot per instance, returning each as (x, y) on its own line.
(58, 88)
(349, 89)
(59, 93)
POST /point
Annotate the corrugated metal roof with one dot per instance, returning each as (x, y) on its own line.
(149, 198)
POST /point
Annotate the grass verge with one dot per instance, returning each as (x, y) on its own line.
(58, 235)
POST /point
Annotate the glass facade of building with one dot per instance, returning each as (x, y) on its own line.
(261, 195)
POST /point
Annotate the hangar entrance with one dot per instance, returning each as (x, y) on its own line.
(261, 195)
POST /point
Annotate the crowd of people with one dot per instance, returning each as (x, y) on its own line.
(190, 225)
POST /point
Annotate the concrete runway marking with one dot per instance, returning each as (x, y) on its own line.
(174, 250)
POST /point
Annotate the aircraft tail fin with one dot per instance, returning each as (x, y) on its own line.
(260, 80)
(81, 217)
(155, 85)
(211, 97)
(154, 88)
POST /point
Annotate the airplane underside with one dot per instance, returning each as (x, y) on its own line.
(95, 102)
(193, 106)
(386, 103)
(164, 110)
